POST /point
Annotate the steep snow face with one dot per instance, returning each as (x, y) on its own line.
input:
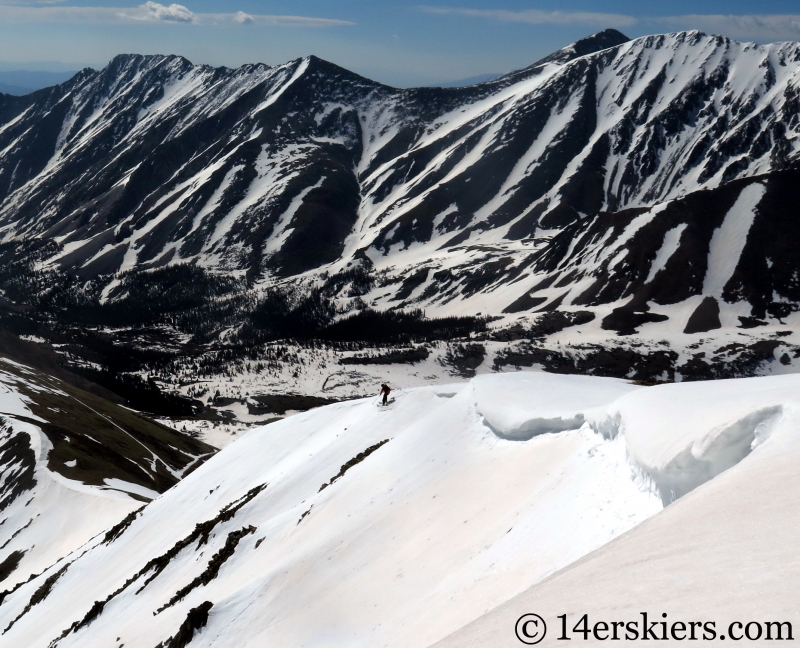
(71, 466)
(357, 525)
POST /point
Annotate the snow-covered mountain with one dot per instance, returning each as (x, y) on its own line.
(72, 466)
(632, 198)
(355, 525)
(620, 207)
(153, 160)
(275, 171)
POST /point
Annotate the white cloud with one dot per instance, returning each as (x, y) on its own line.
(150, 12)
(747, 26)
(243, 19)
(172, 13)
(536, 17)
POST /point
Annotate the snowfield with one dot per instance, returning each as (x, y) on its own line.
(355, 525)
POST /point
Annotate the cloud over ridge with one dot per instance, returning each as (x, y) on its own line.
(172, 13)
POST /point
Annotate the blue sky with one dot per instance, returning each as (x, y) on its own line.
(394, 41)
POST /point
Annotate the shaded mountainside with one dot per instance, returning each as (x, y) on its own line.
(153, 160)
(730, 245)
(156, 209)
(74, 464)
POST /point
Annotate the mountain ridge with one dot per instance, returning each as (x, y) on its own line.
(74, 464)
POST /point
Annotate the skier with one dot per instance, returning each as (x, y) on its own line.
(385, 391)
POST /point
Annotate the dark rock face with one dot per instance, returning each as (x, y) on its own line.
(18, 462)
(195, 620)
(589, 45)
(705, 318)
(626, 321)
(9, 564)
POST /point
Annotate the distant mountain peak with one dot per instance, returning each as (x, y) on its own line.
(595, 43)
(602, 40)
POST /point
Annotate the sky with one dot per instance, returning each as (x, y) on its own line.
(402, 43)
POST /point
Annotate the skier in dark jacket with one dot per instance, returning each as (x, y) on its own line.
(385, 391)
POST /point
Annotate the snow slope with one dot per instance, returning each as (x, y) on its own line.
(71, 466)
(354, 525)
(726, 552)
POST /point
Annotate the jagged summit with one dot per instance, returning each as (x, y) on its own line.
(585, 46)
(599, 41)
(596, 42)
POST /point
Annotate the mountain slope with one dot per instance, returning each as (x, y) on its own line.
(638, 189)
(73, 465)
(728, 245)
(286, 169)
(357, 525)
